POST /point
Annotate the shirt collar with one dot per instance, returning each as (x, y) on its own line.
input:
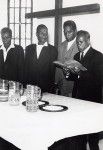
(45, 44)
(86, 50)
(70, 43)
(3, 48)
(72, 40)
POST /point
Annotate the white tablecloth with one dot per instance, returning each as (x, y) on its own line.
(38, 130)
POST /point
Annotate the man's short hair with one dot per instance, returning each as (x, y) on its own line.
(83, 33)
(6, 30)
(70, 23)
(39, 27)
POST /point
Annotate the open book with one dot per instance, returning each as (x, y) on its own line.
(70, 65)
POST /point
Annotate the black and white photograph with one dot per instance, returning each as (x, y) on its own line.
(51, 75)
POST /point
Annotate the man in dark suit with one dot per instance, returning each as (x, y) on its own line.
(11, 68)
(11, 58)
(39, 57)
(88, 84)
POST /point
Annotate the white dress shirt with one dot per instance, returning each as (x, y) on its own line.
(39, 48)
(5, 52)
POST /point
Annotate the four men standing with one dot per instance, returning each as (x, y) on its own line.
(39, 69)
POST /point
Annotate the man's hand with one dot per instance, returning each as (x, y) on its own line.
(75, 70)
(66, 72)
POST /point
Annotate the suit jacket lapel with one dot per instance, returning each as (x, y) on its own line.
(87, 57)
(34, 52)
(1, 56)
(69, 54)
(41, 53)
(65, 47)
(88, 54)
(44, 52)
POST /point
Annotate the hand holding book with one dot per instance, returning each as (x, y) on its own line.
(72, 66)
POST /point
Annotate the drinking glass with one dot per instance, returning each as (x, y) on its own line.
(3, 90)
(14, 93)
(33, 94)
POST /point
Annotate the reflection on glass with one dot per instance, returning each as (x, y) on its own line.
(28, 42)
(28, 3)
(23, 15)
(33, 94)
(28, 10)
(17, 41)
(23, 43)
(14, 93)
(17, 3)
(16, 30)
(28, 20)
(3, 90)
(25, 34)
(17, 15)
(12, 28)
(23, 3)
(11, 3)
(28, 29)
(3, 84)
(23, 31)
(11, 15)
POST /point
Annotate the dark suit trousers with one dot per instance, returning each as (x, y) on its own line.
(77, 143)
(71, 143)
(5, 145)
(93, 141)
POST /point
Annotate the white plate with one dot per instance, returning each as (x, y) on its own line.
(53, 108)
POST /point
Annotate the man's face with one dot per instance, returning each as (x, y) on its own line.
(42, 36)
(69, 33)
(82, 43)
(6, 39)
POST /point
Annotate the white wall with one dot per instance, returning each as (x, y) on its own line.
(40, 5)
(92, 22)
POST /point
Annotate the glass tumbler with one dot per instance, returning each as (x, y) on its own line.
(3, 90)
(14, 93)
(33, 94)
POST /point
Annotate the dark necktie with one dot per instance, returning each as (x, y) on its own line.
(82, 55)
